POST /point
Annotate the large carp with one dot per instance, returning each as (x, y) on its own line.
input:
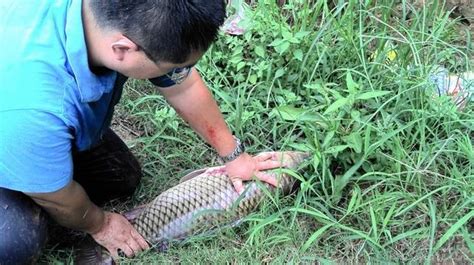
(204, 199)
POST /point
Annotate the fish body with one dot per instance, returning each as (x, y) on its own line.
(200, 203)
(205, 200)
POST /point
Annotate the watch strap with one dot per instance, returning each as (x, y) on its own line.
(239, 149)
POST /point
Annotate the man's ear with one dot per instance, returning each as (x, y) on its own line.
(122, 46)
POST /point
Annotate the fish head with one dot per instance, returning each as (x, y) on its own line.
(289, 160)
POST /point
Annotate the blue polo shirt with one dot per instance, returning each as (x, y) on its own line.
(50, 102)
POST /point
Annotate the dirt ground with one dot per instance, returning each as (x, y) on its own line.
(463, 9)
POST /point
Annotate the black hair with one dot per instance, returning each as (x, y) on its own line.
(166, 30)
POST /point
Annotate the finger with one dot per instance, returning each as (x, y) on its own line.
(134, 246)
(268, 178)
(273, 156)
(114, 253)
(140, 240)
(238, 185)
(265, 156)
(127, 250)
(269, 164)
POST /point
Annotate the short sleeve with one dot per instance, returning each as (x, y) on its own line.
(35, 151)
(177, 76)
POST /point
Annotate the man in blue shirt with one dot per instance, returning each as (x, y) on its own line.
(64, 63)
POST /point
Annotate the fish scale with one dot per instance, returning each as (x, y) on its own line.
(202, 202)
(194, 205)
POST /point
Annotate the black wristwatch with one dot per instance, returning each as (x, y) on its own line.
(239, 149)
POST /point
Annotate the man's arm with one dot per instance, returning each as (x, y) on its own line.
(193, 101)
(72, 208)
(195, 104)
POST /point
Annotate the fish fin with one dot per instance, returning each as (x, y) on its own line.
(206, 170)
(192, 174)
(134, 213)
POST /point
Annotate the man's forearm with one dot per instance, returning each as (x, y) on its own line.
(195, 104)
(71, 207)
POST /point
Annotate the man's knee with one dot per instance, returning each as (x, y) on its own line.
(136, 173)
(125, 164)
(108, 171)
(23, 228)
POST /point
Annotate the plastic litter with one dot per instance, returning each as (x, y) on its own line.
(459, 87)
(237, 23)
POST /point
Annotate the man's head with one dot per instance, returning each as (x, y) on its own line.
(166, 32)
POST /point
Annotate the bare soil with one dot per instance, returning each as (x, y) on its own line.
(462, 9)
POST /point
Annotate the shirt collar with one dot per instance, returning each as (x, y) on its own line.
(91, 87)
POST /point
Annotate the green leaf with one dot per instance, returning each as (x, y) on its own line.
(260, 51)
(290, 113)
(315, 236)
(424, 197)
(355, 115)
(277, 42)
(298, 55)
(354, 199)
(467, 238)
(453, 229)
(367, 134)
(373, 220)
(372, 94)
(342, 181)
(240, 65)
(235, 59)
(408, 234)
(287, 35)
(354, 140)
(385, 137)
(253, 79)
(359, 233)
(300, 147)
(302, 34)
(316, 158)
(336, 149)
(294, 40)
(282, 47)
(279, 73)
(328, 138)
(336, 105)
(351, 85)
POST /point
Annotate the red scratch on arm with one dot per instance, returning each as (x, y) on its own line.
(211, 133)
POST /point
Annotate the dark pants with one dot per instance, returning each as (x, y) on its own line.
(108, 171)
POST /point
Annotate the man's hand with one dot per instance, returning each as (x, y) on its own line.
(117, 233)
(71, 207)
(245, 167)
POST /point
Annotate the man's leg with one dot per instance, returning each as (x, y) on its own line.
(23, 228)
(108, 171)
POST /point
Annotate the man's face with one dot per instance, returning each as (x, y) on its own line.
(138, 65)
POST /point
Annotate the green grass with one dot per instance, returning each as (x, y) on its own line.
(391, 178)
